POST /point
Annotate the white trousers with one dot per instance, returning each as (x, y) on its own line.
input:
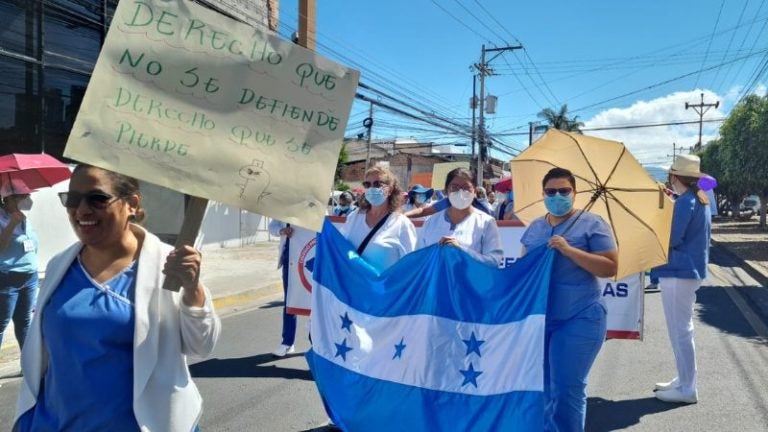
(678, 297)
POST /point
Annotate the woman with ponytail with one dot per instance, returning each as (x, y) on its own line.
(683, 274)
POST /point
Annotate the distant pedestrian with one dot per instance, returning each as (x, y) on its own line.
(506, 209)
(284, 230)
(377, 228)
(482, 198)
(683, 274)
(107, 350)
(346, 204)
(418, 197)
(18, 260)
(492, 202)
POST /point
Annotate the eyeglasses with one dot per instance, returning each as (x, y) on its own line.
(456, 188)
(375, 183)
(554, 191)
(95, 200)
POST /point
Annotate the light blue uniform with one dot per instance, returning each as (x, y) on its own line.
(576, 318)
(88, 329)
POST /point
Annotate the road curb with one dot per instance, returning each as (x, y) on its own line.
(756, 298)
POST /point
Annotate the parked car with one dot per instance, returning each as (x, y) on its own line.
(750, 203)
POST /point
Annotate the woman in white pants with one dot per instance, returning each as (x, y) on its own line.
(683, 274)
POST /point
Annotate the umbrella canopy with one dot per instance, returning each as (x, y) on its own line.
(33, 170)
(504, 185)
(609, 182)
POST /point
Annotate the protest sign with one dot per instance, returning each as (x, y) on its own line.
(197, 102)
(440, 172)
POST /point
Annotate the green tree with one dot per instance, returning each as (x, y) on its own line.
(744, 138)
(560, 120)
(729, 191)
(338, 181)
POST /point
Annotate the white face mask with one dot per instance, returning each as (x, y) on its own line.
(461, 199)
(25, 204)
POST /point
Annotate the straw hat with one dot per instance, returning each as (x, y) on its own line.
(686, 166)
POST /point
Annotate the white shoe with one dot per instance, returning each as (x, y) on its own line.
(667, 385)
(283, 350)
(676, 396)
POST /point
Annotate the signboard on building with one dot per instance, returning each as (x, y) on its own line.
(189, 99)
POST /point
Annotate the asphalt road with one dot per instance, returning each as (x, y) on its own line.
(245, 389)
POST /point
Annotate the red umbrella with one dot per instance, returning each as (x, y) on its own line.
(33, 170)
(503, 185)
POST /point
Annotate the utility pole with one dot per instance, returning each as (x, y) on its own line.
(307, 23)
(474, 107)
(701, 109)
(368, 124)
(674, 152)
(483, 69)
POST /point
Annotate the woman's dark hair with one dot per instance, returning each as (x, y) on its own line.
(693, 184)
(460, 172)
(125, 186)
(556, 173)
(395, 200)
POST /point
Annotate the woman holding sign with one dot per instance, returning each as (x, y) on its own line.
(462, 226)
(381, 233)
(576, 319)
(107, 349)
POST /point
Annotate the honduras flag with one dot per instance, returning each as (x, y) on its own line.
(438, 342)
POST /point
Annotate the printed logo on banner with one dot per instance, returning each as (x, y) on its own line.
(307, 264)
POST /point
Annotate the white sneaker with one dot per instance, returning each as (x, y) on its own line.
(676, 396)
(667, 385)
(283, 350)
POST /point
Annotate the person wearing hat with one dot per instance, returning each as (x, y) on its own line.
(18, 260)
(683, 274)
(418, 197)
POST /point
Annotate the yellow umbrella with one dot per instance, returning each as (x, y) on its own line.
(609, 182)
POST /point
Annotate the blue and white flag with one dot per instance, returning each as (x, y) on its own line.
(438, 342)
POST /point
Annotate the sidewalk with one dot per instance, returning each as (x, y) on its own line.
(237, 277)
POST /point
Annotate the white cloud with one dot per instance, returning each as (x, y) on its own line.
(653, 145)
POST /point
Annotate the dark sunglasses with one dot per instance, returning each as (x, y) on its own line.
(554, 191)
(95, 200)
(376, 184)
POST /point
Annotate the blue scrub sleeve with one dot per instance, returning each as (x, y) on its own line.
(600, 237)
(441, 205)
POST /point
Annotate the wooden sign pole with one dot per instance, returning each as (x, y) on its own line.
(193, 220)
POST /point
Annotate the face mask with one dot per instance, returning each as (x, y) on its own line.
(420, 198)
(375, 196)
(25, 204)
(500, 197)
(344, 207)
(558, 205)
(461, 199)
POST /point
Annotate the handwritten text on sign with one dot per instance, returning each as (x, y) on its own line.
(192, 100)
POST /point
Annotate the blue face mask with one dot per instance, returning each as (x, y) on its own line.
(375, 196)
(558, 205)
(420, 198)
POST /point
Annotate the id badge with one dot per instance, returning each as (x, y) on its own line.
(29, 246)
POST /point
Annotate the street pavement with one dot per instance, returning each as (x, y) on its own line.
(245, 389)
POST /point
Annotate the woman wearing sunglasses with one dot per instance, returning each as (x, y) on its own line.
(18, 260)
(107, 349)
(576, 318)
(381, 233)
(462, 226)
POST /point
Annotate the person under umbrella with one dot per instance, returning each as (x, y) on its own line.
(18, 260)
(576, 318)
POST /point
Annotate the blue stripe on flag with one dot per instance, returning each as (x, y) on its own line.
(417, 284)
(398, 407)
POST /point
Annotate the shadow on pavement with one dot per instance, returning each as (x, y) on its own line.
(716, 309)
(272, 304)
(248, 367)
(608, 415)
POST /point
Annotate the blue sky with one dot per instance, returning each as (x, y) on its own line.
(615, 63)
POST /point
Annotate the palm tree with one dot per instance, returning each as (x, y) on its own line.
(559, 120)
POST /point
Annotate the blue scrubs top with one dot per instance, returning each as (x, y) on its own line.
(88, 333)
(21, 254)
(572, 289)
